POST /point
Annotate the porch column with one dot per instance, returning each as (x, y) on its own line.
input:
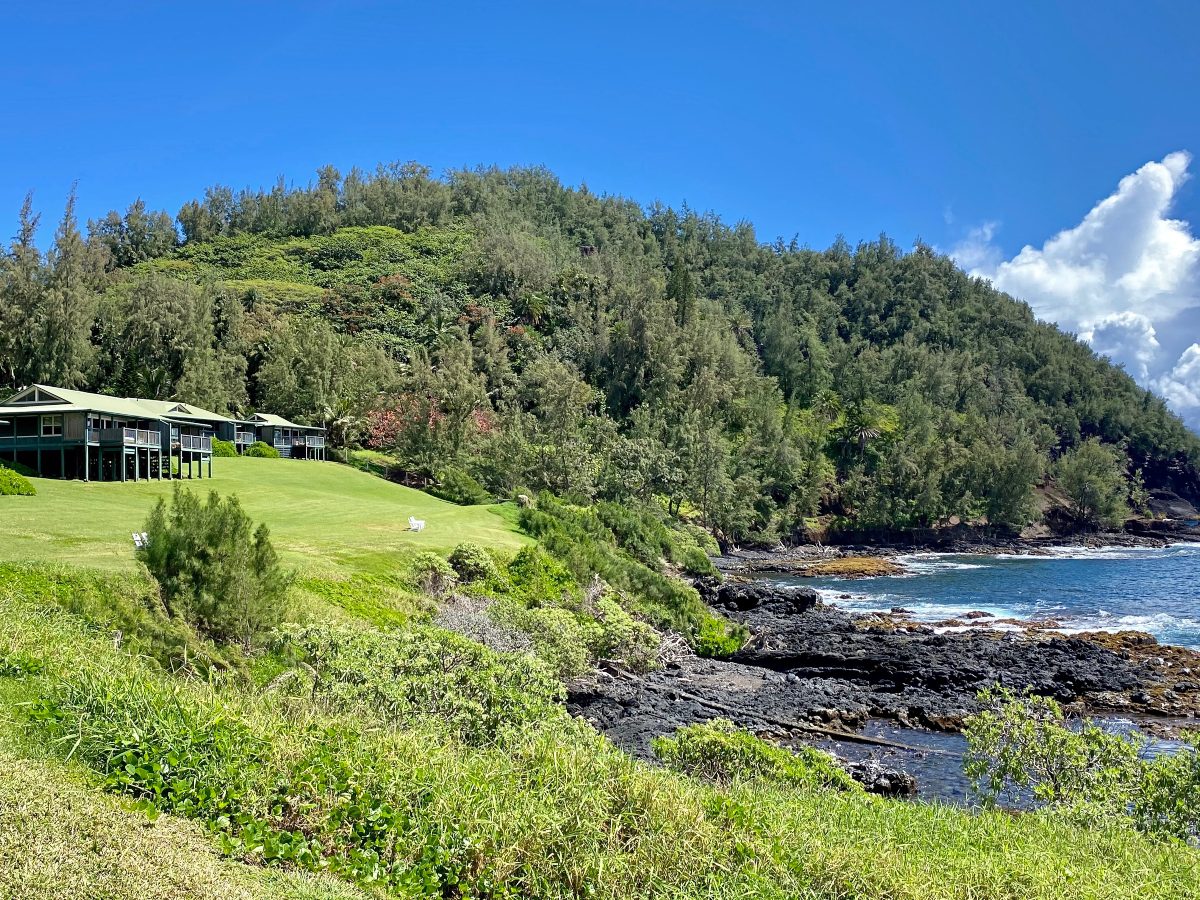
(87, 459)
(137, 464)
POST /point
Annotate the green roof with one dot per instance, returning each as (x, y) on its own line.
(128, 407)
(133, 408)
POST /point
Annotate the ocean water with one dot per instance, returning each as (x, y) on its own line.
(1083, 589)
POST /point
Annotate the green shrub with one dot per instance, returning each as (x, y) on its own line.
(434, 575)
(458, 486)
(561, 639)
(13, 484)
(215, 570)
(262, 450)
(695, 562)
(19, 468)
(719, 751)
(421, 673)
(580, 539)
(472, 563)
(1025, 744)
(538, 578)
(623, 638)
(223, 448)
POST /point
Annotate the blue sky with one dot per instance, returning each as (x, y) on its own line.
(978, 127)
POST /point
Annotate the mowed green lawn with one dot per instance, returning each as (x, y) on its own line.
(325, 518)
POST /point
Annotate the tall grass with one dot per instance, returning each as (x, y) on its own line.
(547, 809)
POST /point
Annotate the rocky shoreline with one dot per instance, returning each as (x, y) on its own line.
(963, 541)
(810, 669)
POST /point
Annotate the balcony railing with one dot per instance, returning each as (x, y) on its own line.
(244, 437)
(308, 440)
(128, 437)
(196, 442)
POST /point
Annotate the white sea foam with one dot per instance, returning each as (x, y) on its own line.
(1107, 552)
(919, 611)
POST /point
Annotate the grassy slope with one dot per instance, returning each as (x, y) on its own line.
(327, 519)
(62, 838)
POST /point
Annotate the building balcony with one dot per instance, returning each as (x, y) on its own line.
(195, 443)
(243, 437)
(138, 438)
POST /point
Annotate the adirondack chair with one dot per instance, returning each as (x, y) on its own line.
(415, 524)
(137, 540)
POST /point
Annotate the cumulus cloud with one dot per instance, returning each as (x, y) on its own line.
(1126, 279)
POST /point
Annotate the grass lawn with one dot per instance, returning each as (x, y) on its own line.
(325, 518)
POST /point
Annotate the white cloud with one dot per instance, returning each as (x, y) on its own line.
(1126, 279)
(976, 251)
(1181, 386)
(1128, 338)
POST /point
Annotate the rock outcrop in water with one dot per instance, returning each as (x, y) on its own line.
(809, 665)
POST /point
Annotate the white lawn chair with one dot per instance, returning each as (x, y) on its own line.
(415, 524)
(137, 540)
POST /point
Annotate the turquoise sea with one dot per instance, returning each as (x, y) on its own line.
(1082, 589)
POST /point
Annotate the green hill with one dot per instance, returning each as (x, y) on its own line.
(501, 326)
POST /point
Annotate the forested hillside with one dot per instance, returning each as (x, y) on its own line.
(497, 327)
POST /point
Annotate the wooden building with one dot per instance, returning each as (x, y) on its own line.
(63, 433)
(291, 440)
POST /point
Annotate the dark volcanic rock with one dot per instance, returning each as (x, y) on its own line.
(878, 779)
(742, 596)
(808, 664)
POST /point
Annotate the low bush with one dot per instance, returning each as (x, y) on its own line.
(222, 448)
(571, 627)
(19, 468)
(695, 562)
(472, 563)
(1025, 745)
(215, 570)
(15, 485)
(261, 450)
(561, 639)
(420, 673)
(433, 574)
(585, 545)
(458, 486)
(718, 751)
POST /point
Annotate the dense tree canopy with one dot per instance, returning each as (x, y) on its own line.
(535, 336)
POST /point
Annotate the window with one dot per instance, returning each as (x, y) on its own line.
(52, 426)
